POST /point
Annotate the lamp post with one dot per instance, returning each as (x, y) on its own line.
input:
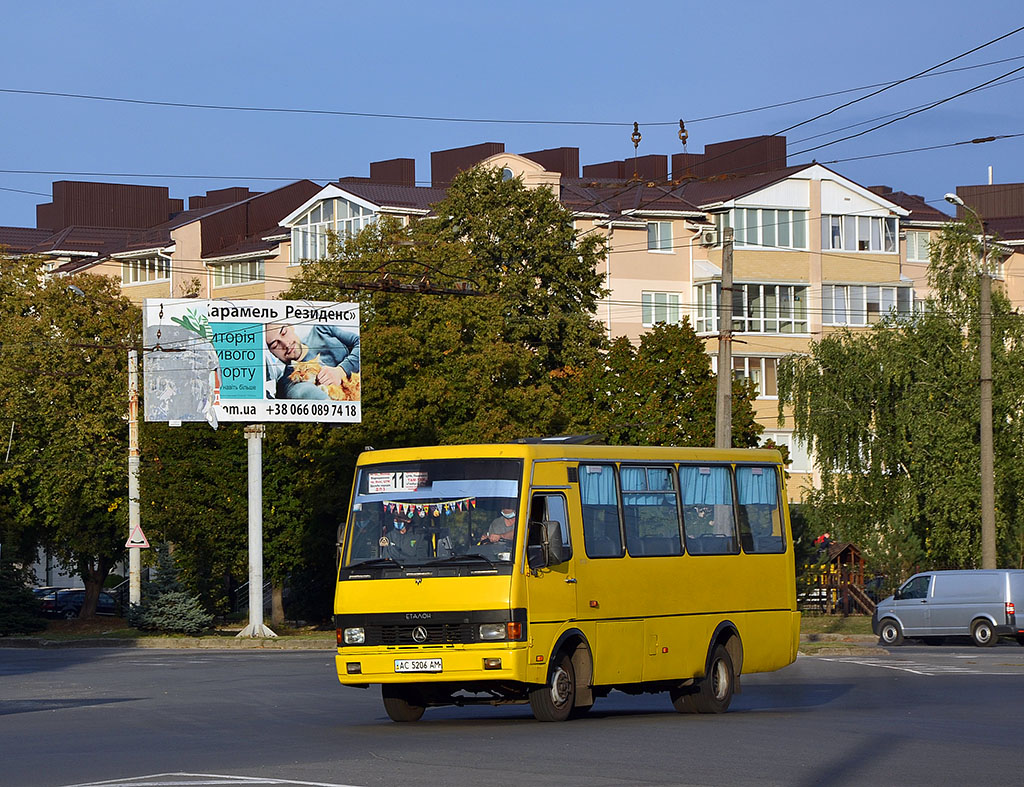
(988, 492)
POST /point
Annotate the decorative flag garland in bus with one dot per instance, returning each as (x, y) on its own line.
(433, 509)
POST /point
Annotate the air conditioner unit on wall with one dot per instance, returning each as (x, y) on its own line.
(709, 237)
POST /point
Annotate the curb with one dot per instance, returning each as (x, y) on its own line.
(837, 644)
(848, 638)
(171, 643)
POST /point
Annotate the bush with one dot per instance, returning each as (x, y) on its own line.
(166, 605)
(174, 612)
(19, 610)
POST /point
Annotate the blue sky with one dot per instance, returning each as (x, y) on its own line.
(653, 62)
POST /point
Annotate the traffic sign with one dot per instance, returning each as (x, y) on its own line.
(137, 540)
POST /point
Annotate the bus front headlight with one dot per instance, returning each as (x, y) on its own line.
(492, 631)
(355, 636)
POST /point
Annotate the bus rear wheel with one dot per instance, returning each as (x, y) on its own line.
(402, 703)
(554, 700)
(714, 690)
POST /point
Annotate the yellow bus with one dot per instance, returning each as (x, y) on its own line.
(552, 573)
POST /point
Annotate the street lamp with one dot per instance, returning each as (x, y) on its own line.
(988, 492)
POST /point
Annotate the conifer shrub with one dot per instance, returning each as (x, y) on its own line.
(19, 609)
(167, 605)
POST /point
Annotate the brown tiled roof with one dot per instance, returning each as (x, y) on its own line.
(20, 239)
(1008, 229)
(722, 188)
(90, 241)
(386, 195)
(919, 209)
(618, 198)
(246, 246)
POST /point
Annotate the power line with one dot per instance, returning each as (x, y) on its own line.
(911, 113)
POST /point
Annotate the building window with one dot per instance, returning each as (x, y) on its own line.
(660, 307)
(145, 270)
(766, 227)
(756, 308)
(762, 371)
(917, 246)
(659, 236)
(863, 304)
(858, 233)
(243, 272)
(310, 231)
(799, 455)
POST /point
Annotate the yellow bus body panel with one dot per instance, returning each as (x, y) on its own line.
(643, 618)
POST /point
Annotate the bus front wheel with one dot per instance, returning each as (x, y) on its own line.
(402, 703)
(554, 700)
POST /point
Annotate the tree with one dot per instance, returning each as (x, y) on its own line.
(63, 383)
(194, 489)
(892, 417)
(166, 604)
(461, 368)
(19, 609)
(660, 393)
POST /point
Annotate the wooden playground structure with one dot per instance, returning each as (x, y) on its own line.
(838, 588)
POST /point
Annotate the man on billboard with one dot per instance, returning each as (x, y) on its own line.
(321, 364)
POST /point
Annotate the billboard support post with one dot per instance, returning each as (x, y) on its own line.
(254, 436)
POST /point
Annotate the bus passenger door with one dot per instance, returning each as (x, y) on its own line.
(551, 590)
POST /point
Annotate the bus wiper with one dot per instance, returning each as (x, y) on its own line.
(377, 561)
(473, 557)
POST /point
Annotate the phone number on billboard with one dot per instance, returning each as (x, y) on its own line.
(312, 409)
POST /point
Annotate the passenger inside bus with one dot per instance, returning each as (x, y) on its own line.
(404, 541)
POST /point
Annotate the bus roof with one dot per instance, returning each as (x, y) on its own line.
(570, 452)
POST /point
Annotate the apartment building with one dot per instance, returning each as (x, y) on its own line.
(813, 250)
(228, 243)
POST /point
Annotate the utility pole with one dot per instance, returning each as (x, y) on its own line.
(134, 554)
(723, 400)
(987, 447)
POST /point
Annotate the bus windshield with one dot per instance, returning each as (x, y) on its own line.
(424, 512)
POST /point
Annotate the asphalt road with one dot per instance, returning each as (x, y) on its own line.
(915, 715)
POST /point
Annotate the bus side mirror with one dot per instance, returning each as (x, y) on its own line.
(898, 594)
(544, 547)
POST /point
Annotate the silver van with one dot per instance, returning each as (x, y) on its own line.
(981, 604)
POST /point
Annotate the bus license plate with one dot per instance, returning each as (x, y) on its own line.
(418, 665)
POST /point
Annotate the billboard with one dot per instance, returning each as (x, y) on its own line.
(251, 361)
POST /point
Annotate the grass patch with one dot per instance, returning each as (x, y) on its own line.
(835, 624)
(105, 627)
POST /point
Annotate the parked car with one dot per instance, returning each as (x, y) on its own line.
(981, 604)
(67, 603)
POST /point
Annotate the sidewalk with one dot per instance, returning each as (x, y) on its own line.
(810, 644)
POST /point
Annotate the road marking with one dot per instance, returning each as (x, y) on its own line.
(916, 668)
(196, 779)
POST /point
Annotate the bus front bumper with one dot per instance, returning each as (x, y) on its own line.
(362, 666)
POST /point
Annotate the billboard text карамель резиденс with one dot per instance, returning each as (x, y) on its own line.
(251, 361)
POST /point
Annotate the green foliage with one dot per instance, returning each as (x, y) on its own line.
(166, 605)
(194, 494)
(63, 385)
(19, 609)
(450, 369)
(660, 393)
(892, 416)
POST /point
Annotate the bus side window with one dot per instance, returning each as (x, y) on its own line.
(600, 500)
(708, 510)
(759, 514)
(649, 511)
(552, 508)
